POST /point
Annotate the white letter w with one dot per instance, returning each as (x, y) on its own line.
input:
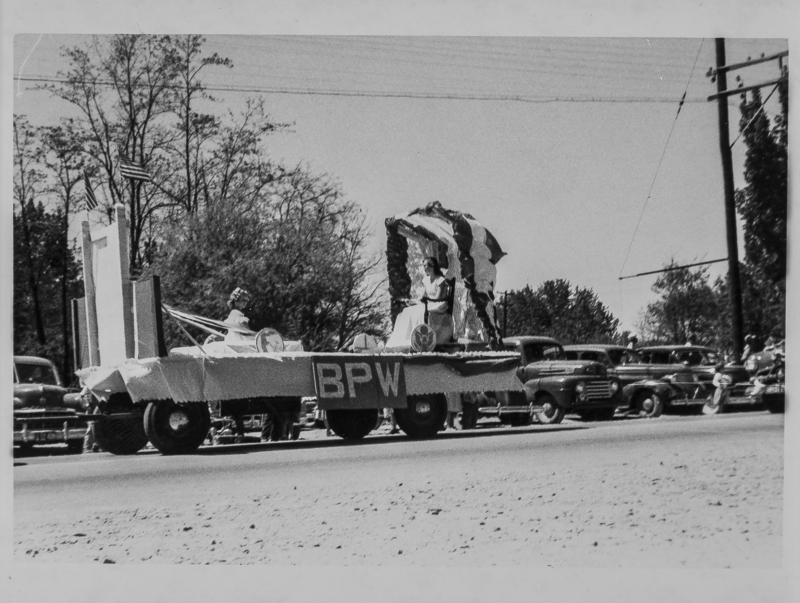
(389, 381)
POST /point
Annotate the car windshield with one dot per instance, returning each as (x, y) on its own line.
(696, 357)
(543, 351)
(34, 373)
(624, 357)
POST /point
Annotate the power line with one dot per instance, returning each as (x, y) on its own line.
(412, 95)
(663, 153)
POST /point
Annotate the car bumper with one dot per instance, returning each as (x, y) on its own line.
(49, 436)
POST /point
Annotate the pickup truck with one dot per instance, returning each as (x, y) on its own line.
(46, 412)
(554, 386)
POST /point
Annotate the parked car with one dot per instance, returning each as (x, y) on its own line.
(46, 412)
(767, 384)
(701, 360)
(554, 386)
(648, 388)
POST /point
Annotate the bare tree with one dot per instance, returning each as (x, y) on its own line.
(63, 156)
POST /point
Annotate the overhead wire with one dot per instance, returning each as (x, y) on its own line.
(412, 95)
(660, 161)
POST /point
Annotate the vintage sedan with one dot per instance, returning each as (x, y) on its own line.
(46, 412)
(701, 360)
(649, 387)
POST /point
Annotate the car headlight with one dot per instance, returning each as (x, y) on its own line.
(614, 387)
(580, 387)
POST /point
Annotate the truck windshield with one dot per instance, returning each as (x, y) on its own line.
(543, 351)
(34, 373)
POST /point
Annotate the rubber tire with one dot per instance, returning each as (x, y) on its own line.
(120, 435)
(468, 417)
(185, 440)
(775, 404)
(352, 424)
(421, 426)
(657, 408)
(75, 446)
(557, 412)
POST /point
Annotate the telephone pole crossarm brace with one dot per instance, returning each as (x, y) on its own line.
(671, 268)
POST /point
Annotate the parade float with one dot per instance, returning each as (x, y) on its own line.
(168, 397)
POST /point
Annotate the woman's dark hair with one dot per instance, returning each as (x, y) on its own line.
(434, 263)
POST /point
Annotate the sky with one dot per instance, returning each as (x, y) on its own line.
(570, 150)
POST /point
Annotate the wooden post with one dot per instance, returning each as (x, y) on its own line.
(93, 345)
(735, 291)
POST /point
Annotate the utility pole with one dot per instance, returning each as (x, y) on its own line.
(721, 76)
(735, 290)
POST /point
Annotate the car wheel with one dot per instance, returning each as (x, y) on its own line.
(352, 424)
(775, 404)
(551, 413)
(120, 435)
(424, 416)
(176, 428)
(75, 446)
(649, 405)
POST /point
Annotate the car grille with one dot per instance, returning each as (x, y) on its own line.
(598, 390)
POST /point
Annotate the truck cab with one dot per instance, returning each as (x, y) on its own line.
(556, 386)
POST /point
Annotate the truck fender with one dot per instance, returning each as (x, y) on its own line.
(536, 387)
(663, 389)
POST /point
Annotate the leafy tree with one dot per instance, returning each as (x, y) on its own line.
(763, 202)
(763, 303)
(40, 259)
(555, 309)
(28, 182)
(687, 306)
(298, 246)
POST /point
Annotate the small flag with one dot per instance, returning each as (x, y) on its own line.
(91, 200)
(132, 170)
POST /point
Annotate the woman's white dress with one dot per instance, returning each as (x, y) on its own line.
(438, 318)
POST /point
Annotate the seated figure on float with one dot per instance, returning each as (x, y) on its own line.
(433, 310)
(456, 292)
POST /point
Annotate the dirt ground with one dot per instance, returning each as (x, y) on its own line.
(699, 502)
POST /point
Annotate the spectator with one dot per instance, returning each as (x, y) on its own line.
(633, 341)
(752, 345)
(720, 382)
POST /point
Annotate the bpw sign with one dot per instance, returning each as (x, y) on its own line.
(348, 381)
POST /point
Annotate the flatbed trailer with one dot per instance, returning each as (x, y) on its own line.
(171, 397)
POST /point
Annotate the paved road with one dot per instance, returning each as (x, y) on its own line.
(672, 492)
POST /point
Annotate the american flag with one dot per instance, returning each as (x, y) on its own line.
(132, 170)
(91, 200)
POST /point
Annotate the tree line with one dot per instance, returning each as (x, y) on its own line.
(219, 212)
